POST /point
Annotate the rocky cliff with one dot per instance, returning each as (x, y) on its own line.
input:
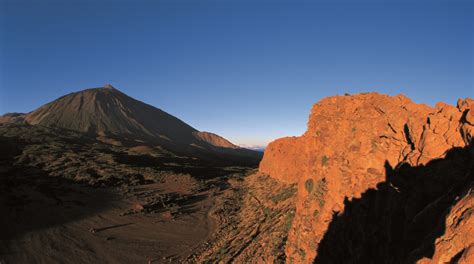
(380, 179)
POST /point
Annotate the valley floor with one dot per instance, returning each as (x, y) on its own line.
(178, 220)
(121, 225)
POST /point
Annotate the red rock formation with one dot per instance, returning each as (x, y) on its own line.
(345, 152)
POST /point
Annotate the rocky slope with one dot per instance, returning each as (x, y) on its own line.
(380, 179)
(253, 217)
(215, 140)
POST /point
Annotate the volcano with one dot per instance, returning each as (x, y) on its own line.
(109, 114)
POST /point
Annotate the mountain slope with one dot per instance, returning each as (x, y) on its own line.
(113, 116)
(109, 111)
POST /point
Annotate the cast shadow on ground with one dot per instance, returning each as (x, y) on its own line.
(31, 200)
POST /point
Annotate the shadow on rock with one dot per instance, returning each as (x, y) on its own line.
(399, 221)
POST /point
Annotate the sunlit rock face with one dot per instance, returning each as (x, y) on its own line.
(378, 174)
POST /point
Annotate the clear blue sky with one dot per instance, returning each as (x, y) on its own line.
(247, 70)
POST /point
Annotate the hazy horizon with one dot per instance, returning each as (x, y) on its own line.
(248, 71)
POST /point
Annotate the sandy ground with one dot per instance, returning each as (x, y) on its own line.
(56, 228)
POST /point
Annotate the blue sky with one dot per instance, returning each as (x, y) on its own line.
(247, 70)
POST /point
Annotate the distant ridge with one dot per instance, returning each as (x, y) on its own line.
(260, 148)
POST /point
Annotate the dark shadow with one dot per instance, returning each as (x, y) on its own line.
(31, 199)
(196, 150)
(199, 163)
(175, 202)
(111, 227)
(399, 221)
(50, 177)
(194, 167)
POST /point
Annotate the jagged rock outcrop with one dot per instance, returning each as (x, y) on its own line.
(457, 242)
(360, 144)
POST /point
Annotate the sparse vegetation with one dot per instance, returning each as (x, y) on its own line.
(223, 250)
(263, 177)
(267, 211)
(308, 184)
(320, 191)
(373, 144)
(324, 160)
(302, 253)
(289, 220)
(315, 213)
(284, 194)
